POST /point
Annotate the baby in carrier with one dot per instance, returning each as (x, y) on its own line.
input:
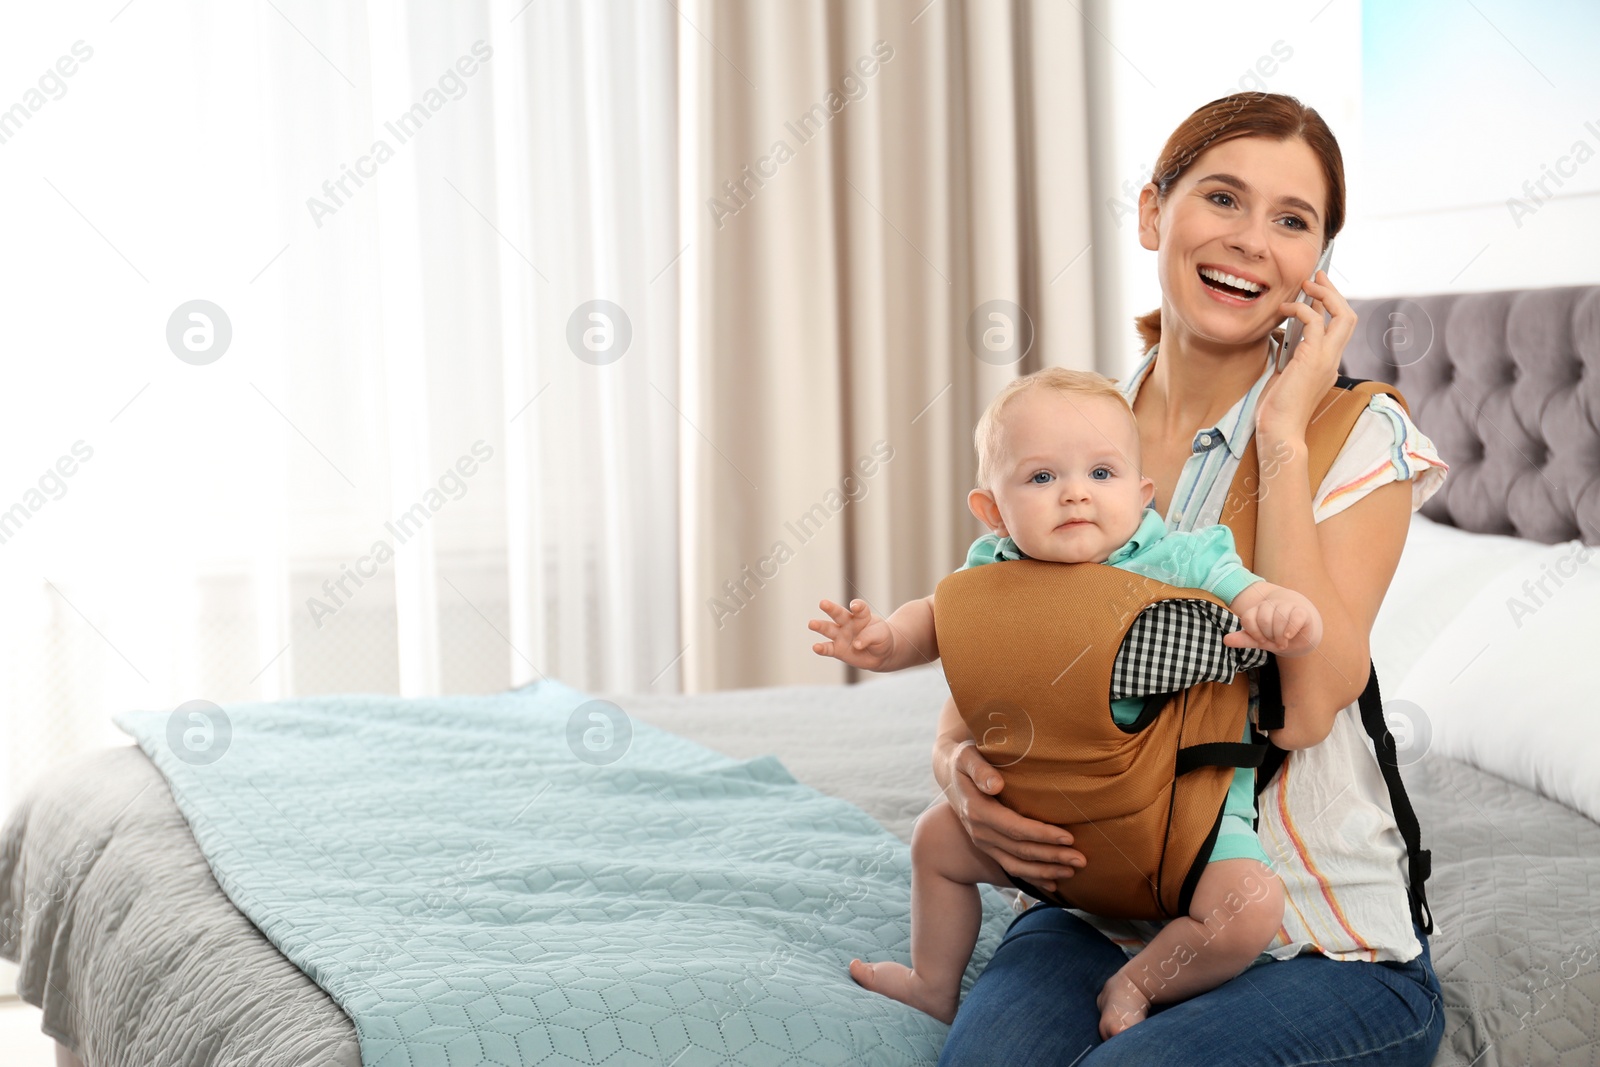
(1059, 480)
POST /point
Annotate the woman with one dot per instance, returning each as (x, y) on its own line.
(1246, 194)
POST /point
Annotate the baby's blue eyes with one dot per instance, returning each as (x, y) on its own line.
(1046, 474)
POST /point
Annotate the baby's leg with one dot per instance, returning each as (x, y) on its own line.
(1236, 910)
(946, 869)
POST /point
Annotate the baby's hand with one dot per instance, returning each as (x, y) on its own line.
(858, 636)
(1282, 622)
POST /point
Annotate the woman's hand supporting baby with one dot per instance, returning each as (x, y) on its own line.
(1276, 619)
(862, 638)
(1024, 847)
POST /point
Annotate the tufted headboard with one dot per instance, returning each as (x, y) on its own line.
(1507, 385)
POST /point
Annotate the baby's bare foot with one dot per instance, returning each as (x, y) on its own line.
(1121, 1006)
(905, 985)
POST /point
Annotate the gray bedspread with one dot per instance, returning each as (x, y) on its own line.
(137, 958)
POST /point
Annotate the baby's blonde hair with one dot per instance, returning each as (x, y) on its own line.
(987, 436)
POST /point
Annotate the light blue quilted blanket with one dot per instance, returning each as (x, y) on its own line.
(473, 886)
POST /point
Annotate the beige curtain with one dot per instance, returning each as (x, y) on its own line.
(863, 180)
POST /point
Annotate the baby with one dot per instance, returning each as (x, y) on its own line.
(1059, 480)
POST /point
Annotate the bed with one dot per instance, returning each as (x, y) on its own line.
(136, 955)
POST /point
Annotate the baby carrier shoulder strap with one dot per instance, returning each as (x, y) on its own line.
(1326, 434)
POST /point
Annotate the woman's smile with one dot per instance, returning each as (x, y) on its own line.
(1230, 288)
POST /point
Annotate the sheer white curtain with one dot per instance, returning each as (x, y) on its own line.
(424, 462)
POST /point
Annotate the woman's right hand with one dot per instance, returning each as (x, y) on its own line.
(1034, 851)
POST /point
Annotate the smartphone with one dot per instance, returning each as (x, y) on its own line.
(1291, 337)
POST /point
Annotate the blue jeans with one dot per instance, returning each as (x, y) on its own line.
(1034, 1006)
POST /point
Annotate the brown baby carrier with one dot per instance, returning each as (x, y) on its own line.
(1028, 648)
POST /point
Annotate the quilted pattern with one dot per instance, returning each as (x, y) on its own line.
(127, 945)
(1515, 895)
(1507, 386)
(469, 892)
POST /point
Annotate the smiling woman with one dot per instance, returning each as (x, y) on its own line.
(1248, 192)
(1236, 140)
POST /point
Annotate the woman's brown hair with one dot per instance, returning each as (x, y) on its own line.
(1273, 115)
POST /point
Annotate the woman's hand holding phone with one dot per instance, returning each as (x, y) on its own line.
(1293, 393)
(1293, 334)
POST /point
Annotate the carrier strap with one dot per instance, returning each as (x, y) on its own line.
(1269, 713)
(1419, 861)
(1218, 754)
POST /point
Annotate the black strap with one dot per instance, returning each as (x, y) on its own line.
(1192, 879)
(1269, 767)
(1269, 716)
(1218, 754)
(1269, 712)
(1419, 861)
(1153, 704)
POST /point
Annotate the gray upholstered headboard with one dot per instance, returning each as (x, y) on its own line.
(1507, 385)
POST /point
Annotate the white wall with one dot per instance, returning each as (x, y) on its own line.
(1499, 100)
(1152, 64)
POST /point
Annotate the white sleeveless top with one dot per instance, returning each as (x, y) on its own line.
(1325, 820)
